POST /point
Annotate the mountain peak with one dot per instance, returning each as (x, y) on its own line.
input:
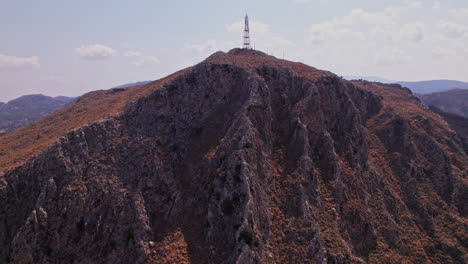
(247, 52)
(243, 158)
(258, 61)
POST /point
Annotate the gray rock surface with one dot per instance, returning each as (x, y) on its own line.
(243, 159)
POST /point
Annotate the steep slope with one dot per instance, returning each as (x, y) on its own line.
(21, 144)
(454, 101)
(28, 109)
(246, 158)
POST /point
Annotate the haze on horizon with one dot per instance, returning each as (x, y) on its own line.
(69, 48)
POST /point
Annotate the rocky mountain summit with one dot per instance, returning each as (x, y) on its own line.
(243, 158)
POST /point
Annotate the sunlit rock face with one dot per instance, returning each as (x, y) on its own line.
(246, 158)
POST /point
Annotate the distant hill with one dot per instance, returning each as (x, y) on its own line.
(453, 101)
(243, 158)
(421, 87)
(433, 86)
(458, 123)
(132, 84)
(368, 78)
(27, 109)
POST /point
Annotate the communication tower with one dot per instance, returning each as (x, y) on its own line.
(247, 33)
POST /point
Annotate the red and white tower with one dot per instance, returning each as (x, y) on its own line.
(246, 33)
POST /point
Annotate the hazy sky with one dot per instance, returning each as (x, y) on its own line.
(57, 47)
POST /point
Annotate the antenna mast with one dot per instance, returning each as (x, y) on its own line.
(247, 33)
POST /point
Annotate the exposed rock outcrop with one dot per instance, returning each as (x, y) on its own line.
(246, 158)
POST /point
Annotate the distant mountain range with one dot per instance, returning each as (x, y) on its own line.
(28, 109)
(416, 87)
(132, 84)
(453, 101)
(426, 87)
(421, 87)
(368, 78)
(243, 158)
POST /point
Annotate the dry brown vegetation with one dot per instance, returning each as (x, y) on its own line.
(255, 61)
(20, 145)
(253, 159)
(448, 225)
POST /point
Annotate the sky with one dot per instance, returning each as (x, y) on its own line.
(57, 47)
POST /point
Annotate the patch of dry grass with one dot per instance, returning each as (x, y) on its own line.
(20, 145)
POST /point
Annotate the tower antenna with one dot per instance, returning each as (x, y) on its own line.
(247, 33)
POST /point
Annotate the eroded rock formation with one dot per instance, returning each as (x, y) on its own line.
(246, 158)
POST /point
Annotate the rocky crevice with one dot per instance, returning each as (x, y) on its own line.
(231, 163)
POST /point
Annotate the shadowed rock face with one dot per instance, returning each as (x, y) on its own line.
(246, 158)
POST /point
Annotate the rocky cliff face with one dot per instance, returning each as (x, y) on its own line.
(246, 158)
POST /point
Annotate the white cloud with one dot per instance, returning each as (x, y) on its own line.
(436, 5)
(53, 78)
(413, 32)
(393, 40)
(209, 46)
(357, 26)
(451, 30)
(200, 50)
(462, 12)
(415, 4)
(95, 52)
(391, 24)
(439, 53)
(140, 59)
(131, 53)
(388, 58)
(261, 37)
(300, 1)
(13, 62)
(146, 61)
